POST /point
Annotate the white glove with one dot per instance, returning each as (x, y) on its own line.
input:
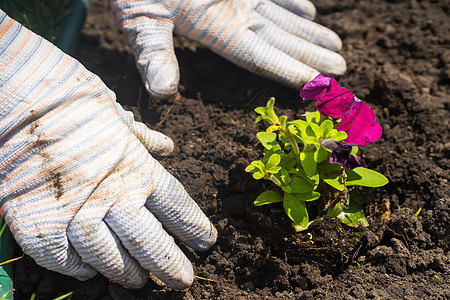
(78, 188)
(272, 38)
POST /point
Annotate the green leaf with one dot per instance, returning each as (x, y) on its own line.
(320, 155)
(273, 169)
(294, 130)
(286, 188)
(309, 196)
(273, 128)
(268, 197)
(288, 162)
(313, 180)
(299, 124)
(337, 135)
(310, 140)
(308, 163)
(365, 177)
(296, 209)
(309, 132)
(282, 120)
(65, 296)
(335, 211)
(335, 183)
(327, 127)
(257, 168)
(258, 175)
(250, 168)
(317, 130)
(302, 228)
(269, 152)
(312, 117)
(259, 164)
(416, 213)
(352, 219)
(268, 140)
(284, 176)
(353, 215)
(267, 113)
(274, 160)
(287, 142)
(300, 185)
(331, 174)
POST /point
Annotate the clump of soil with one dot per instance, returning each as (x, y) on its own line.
(398, 55)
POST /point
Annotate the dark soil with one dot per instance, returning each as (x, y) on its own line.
(398, 55)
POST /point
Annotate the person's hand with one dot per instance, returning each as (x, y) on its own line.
(272, 38)
(78, 188)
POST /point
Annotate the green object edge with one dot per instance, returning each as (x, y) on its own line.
(72, 25)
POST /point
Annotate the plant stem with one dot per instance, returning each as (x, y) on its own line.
(294, 144)
(275, 180)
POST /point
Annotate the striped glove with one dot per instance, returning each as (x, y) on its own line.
(272, 38)
(78, 188)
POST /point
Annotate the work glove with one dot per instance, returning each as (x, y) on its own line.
(272, 38)
(78, 188)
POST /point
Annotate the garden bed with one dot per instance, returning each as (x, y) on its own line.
(398, 55)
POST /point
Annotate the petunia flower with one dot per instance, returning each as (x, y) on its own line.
(341, 154)
(357, 118)
(332, 100)
(359, 124)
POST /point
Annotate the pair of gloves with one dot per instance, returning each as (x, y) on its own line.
(78, 188)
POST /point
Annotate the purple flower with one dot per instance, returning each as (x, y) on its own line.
(332, 100)
(357, 118)
(341, 154)
(360, 125)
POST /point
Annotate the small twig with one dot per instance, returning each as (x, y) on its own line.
(11, 260)
(165, 117)
(207, 279)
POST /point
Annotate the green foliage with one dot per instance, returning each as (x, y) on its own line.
(67, 296)
(40, 16)
(295, 161)
(365, 177)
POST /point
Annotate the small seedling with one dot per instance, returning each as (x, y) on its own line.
(67, 296)
(311, 159)
(418, 212)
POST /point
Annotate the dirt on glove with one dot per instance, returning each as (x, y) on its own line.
(398, 56)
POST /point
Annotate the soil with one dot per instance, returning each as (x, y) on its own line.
(398, 56)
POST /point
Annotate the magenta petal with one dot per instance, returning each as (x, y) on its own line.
(332, 100)
(360, 125)
(358, 119)
(313, 89)
(336, 102)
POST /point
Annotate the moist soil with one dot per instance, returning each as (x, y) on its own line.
(398, 56)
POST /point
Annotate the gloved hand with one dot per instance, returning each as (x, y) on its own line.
(78, 188)
(272, 38)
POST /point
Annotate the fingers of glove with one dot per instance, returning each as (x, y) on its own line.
(97, 243)
(41, 233)
(178, 213)
(100, 248)
(319, 58)
(145, 239)
(306, 29)
(303, 8)
(154, 141)
(251, 52)
(152, 44)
